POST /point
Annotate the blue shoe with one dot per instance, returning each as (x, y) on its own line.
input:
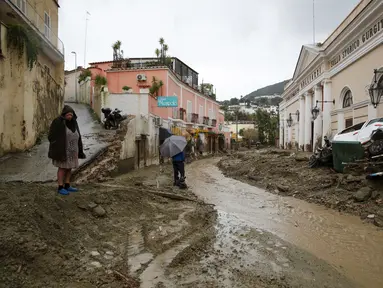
(63, 191)
(72, 189)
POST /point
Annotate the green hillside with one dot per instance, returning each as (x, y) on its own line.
(277, 88)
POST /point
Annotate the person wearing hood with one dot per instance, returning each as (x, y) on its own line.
(65, 148)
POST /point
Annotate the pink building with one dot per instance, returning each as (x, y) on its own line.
(196, 111)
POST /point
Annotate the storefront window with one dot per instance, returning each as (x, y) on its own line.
(347, 99)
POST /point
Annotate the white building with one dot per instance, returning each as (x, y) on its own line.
(251, 109)
(334, 76)
(72, 87)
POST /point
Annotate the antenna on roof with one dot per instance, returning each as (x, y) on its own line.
(314, 22)
(86, 34)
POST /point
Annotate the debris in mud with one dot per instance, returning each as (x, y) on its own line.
(98, 211)
(362, 194)
(52, 241)
(277, 172)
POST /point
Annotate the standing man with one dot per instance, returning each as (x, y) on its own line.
(179, 168)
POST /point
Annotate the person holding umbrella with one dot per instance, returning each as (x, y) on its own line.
(178, 167)
(174, 147)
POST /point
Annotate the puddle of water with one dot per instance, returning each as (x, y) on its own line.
(355, 249)
(155, 272)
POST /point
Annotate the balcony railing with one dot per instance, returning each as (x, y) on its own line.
(179, 113)
(194, 118)
(43, 25)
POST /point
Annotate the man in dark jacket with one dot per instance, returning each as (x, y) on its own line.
(65, 147)
(178, 167)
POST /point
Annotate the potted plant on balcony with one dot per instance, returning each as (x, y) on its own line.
(126, 89)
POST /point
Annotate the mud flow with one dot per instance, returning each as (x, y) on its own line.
(137, 230)
(339, 242)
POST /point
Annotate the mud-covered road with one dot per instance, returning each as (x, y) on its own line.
(296, 243)
(137, 230)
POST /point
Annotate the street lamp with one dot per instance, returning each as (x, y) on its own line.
(75, 73)
(289, 121)
(376, 89)
(315, 111)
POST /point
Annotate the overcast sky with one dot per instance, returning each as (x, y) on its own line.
(239, 46)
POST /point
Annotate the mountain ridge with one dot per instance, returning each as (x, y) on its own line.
(276, 88)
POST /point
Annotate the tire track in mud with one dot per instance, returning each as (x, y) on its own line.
(175, 237)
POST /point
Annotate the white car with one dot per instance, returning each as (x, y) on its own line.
(367, 133)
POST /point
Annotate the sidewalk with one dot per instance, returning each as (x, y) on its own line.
(35, 166)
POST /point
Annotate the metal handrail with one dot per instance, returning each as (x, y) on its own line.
(38, 22)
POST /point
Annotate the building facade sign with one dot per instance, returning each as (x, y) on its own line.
(314, 75)
(167, 101)
(355, 44)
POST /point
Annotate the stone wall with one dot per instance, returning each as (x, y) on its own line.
(29, 101)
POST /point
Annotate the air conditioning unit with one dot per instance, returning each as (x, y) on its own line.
(158, 121)
(141, 77)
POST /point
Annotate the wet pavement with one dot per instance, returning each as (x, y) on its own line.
(35, 166)
(287, 237)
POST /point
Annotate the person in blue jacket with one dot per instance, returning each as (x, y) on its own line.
(178, 167)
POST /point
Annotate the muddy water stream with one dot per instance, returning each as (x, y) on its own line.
(352, 247)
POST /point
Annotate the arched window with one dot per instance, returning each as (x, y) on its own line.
(347, 99)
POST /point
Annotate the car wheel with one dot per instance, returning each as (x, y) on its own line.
(376, 148)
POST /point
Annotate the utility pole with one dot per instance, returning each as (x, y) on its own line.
(86, 32)
(75, 73)
(236, 128)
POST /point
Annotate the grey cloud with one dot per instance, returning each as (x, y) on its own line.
(239, 46)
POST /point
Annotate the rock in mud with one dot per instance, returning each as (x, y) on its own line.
(378, 221)
(375, 195)
(283, 188)
(96, 264)
(98, 211)
(301, 158)
(95, 253)
(351, 178)
(92, 205)
(254, 178)
(362, 194)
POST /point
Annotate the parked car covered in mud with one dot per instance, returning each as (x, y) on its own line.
(369, 134)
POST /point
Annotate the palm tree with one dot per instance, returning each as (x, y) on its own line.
(162, 42)
(160, 84)
(158, 52)
(166, 48)
(116, 49)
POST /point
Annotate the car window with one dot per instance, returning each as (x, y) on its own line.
(353, 128)
(374, 121)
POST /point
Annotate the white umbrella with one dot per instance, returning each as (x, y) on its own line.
(173, 145)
